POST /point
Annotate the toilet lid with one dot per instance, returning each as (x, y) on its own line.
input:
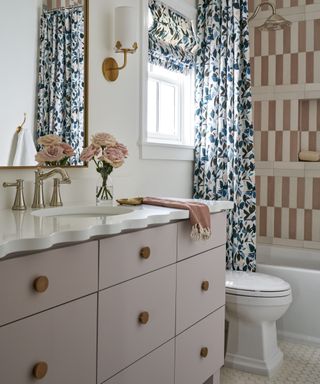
(255, 284)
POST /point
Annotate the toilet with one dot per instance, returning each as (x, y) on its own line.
(254, 301)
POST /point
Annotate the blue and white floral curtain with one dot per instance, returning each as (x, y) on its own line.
(172, 41)
(60, 107)
(224, 158)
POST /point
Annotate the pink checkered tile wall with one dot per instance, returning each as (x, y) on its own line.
(285, 68)
(288, 208)
(281, 3)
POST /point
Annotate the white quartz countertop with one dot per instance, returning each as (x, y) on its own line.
(25, 232)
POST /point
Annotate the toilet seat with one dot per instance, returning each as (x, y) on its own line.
(254, 284)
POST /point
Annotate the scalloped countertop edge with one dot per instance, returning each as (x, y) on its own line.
(23, 232)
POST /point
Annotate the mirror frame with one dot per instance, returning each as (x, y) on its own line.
(86, 96)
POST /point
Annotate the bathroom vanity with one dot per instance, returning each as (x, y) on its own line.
(141, 305)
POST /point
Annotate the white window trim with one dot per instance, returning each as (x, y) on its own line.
(149, 150)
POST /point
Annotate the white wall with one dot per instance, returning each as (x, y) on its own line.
(18, 68)
(115, 108)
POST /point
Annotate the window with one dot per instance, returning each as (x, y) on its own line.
(168, 103)
(170, 106)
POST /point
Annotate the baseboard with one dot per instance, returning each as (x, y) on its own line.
(298, 338)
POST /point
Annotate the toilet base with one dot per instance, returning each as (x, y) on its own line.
(249, 364)
(253, 347)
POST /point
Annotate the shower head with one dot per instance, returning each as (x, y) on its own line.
(274, 22)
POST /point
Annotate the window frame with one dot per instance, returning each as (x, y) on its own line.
(158, 136)
(160, 149)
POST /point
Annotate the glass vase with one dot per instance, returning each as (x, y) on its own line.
(104, 191)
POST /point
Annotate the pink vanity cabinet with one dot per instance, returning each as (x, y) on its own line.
(141, 307)
(48, 315)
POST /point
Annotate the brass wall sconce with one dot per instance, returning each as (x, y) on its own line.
(125, 36)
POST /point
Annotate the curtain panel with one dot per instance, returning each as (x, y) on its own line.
(172, 41)
(60, 108)
(224, 157)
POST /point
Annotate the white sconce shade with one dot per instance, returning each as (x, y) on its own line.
(125, 35)
(126, 26)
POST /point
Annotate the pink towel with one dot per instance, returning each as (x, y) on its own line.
(199, 215)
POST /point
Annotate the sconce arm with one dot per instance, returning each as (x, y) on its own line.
(110, 67)
(125, 60)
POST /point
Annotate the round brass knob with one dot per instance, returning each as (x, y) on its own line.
(40, 370)
(41, 284)
(205, 285)
(204, 352)
(143, 317)
(145, 252)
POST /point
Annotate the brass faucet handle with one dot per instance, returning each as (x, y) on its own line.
(19, 202)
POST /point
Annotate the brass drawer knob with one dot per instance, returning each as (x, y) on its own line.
(204, 352)
(145, 252)
(41, 284)
(40, 370)
(205, 285)
(143, 318)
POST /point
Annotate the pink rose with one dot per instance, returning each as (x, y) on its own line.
(123, 149)
(52, 153)
(103, 140)
(67, 149)
(48, 140)
(113, 156)
(88, 153)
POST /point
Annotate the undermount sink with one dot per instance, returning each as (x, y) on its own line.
(82, 211)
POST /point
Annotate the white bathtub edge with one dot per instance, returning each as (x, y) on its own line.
(301, 269)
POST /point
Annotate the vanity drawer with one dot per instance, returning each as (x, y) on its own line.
(64, 338)
(155, 368)
(200, 286)
(188, 247)
(125, 331)
(130, 255)
(205, 336)
(70, 272)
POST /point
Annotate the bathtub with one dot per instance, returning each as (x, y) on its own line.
(301, 269)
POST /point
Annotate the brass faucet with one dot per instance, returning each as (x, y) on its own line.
(19, 203)
(40, 176)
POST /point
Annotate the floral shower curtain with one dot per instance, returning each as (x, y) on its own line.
(224, 158)
(60, 107)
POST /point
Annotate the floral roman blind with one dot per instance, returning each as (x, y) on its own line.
(172, 42)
